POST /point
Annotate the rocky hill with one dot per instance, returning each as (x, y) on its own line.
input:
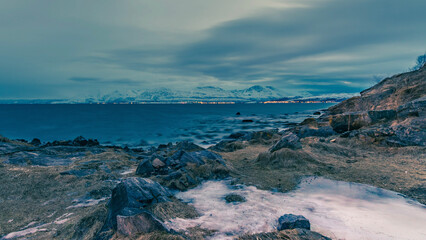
(389, 94)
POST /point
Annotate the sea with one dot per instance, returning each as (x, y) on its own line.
(143, 125)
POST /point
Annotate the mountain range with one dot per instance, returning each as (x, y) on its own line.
(255, 93)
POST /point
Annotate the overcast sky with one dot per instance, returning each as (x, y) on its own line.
(59, 49)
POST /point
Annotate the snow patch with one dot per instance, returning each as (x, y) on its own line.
(336, 209)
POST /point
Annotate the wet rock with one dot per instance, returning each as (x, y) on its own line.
(317, 113)
(247, 121)
(290, 221)
(288, 140)
(238, 114)
(143, 222)
(132, 195)
(234, 198)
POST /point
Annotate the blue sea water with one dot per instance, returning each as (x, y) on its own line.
(151, 124)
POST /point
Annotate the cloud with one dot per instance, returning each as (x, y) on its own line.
(339, 43)
(295, 45)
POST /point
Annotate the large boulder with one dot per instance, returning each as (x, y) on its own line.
(131, 195)
(291, 221)
(288, 140)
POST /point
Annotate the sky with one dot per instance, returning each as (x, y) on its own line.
(61, 49)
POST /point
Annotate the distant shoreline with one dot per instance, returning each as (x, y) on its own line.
(169, 103)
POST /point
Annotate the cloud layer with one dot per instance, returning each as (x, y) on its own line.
(323, 46)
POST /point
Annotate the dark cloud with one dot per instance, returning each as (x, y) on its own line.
(355, 40)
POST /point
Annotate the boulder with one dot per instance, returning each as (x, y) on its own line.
(349, 121)
(311, 122)
(131, 195)
(291, 221)
(140, 223)
(247, 121)
(145, 169)
(288, 140)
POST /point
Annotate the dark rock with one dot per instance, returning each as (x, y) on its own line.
(81, 141)
(311, 122)
(382, 116)
(145, 169)
(35, 142)
(317, 113)
(22, 140)
(349, 121)
(415, 108)
(290, 221)
(247, 121)
(412, 134)
(132, 195)
(143, 222)
(232, 198)
(288, 140)
(238, 114)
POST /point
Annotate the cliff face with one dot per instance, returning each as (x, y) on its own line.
(389, 94)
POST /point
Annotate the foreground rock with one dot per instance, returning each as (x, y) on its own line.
(128, 201)
(290, 221)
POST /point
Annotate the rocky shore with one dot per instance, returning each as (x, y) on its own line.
(81, 190)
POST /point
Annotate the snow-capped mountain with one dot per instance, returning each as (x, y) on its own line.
(208, 93)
